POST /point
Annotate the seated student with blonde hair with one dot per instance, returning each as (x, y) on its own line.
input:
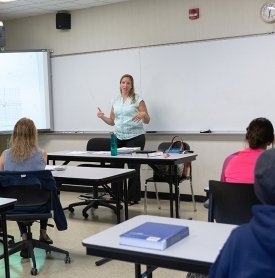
(25, 155)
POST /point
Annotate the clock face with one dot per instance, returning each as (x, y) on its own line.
(268, 12)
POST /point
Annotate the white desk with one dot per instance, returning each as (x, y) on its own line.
(194, 253)
(90, 176)
(172, 160)
(5, 205)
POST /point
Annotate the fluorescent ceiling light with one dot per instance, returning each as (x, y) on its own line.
(5, 1)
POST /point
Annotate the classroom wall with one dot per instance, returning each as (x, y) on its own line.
(141, 23)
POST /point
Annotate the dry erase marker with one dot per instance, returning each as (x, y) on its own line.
(99, 109)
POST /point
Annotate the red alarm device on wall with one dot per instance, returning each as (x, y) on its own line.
(194, 13)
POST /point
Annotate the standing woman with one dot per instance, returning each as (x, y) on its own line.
(128, 114)
(25, 155)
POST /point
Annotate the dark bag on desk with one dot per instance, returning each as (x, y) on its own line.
(176, 146)
(161, 172)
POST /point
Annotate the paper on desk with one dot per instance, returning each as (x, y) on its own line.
(128, 150)
(155, 154)
(55, 167)
(100, 152)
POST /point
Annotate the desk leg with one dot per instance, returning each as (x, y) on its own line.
(5, 240)
(125, 190)
(137, 271)
(177, 201)
(176, 195)
(171, 192)
(150, 270)
(118, 208)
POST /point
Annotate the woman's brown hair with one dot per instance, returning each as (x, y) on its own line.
(23, 140)
(132, 93)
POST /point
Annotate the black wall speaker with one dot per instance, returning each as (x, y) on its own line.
(63, 21)
(2, 36)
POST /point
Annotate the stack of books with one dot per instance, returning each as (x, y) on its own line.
(153, 235)
(148, 153)
(125, 150)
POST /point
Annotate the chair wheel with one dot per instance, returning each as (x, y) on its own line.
(34, 271)
(85, 215)
(67, 260)
(71, 209)
(10, 242)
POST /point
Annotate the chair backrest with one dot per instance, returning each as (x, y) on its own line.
(44, 183)
(231, 203)
(26, 195)
(161, 172)
(44, 178)
(32, 189)
(98, 144)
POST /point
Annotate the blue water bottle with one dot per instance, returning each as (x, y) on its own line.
(113, 143)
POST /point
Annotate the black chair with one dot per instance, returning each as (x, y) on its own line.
(10, 237)
(160, 174)
(35, 202)
(231, 203)
(93, 199)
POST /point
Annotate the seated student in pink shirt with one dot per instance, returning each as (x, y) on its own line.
(239, 166)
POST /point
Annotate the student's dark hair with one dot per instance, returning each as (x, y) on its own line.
(259, 133)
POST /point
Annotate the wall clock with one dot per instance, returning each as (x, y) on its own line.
(268, 12)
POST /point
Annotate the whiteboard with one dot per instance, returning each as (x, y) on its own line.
(219, 85)
(83, 82)
(25, 89)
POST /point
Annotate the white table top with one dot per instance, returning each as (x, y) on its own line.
(6, 202)
(89, 154)
(203, 243)
(93, 176)
(89, 173)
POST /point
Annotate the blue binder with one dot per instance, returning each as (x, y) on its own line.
(154, 235)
